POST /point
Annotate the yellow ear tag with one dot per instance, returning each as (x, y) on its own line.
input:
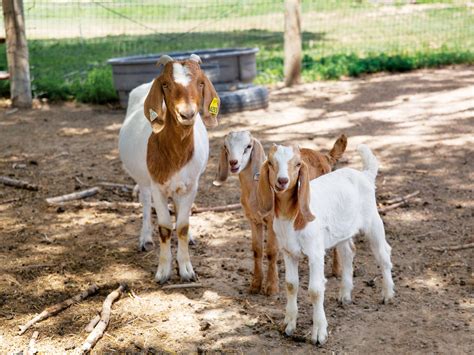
(214, 106)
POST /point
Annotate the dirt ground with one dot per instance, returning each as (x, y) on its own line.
(419, 125)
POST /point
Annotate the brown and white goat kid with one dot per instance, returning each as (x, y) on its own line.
(244, 155)
(312, 216)
(164, 146)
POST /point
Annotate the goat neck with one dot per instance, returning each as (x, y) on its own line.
(170, 149)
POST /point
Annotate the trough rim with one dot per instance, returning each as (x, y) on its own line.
(208, 53)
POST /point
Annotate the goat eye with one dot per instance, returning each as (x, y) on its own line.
(201, 85)
(270, 163)
(164, 86)
(298, 165)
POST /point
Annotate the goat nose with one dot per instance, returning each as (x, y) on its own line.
(233, 162)
(187, 115)
(282, 181)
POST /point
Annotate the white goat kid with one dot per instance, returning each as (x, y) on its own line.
(344, 205)
(164, 146)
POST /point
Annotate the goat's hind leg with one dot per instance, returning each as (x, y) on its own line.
(272, 286)
(381, 250)
(145, 242)
(345, 251)
(316, 290)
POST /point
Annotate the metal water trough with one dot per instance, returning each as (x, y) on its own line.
(231, 70)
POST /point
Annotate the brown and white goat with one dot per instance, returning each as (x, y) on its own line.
(310, 216)
(164, 146)
(244, 155)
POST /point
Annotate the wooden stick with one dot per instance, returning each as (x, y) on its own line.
(55, 309)
(391, 207)
(120, 204)
(73, 196)
(90, 327)
(401, 198)
(32, 344)
(99, 329)
(455, 247)
(80, 182)
(116, 185)
(231, 207)
(189, 285)
(21, 184)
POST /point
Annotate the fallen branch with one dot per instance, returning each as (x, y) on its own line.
(21, 184)
(455, 247)
(14, 199)
(55, 309)
(116, 185)
(120, 204)
(90, 327)
(73, 196)
(32, 344)
(99, 329)
(401, 198)
(189, 285)
(231, 207)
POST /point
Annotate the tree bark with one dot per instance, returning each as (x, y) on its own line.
(17, 53)
(292, 42)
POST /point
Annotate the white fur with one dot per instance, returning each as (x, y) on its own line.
(344, 205)
(181, 74)
(236, 143)
(282, 156)
(181, 187)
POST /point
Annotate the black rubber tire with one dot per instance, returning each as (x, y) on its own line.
(250, 98)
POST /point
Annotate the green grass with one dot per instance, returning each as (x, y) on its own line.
(341, 38)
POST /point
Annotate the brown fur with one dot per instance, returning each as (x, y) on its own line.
(171, 145)
(165, 233)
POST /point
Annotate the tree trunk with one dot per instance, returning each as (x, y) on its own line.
(292, 42)
(17, 53)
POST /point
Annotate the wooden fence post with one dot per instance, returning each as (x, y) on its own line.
(17, 53)
(292, 44)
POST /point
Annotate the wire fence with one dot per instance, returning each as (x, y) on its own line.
(69, 39)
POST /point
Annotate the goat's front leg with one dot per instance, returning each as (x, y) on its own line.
(165, 228)
(316, 289)
(183, 205)
(257, 247)
(292, 284)
(272, 286)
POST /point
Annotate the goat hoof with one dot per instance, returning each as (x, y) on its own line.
(192, 241)
(344, 301)
(255, 288)
(147, 246)
(271, 290)
(289, 330)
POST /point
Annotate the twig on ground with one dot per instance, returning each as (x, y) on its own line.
(99, 329)
(90, 327)
(116, 185)
(14, 199)
(189, 285)
(21, 184)
(120, 204)
(455, 247)
(32, 344)
(80, 182)
(231, 207)
(401, 198)
(73, 196)
(55, 309)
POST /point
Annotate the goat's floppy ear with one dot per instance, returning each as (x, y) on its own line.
(257, 156)
(210, 103)
(338, 149)
(304, 215)
(223, 169)
(153, 107)
(265, 195)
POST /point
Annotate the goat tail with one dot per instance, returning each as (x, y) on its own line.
(338, 149)
(370, 164)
